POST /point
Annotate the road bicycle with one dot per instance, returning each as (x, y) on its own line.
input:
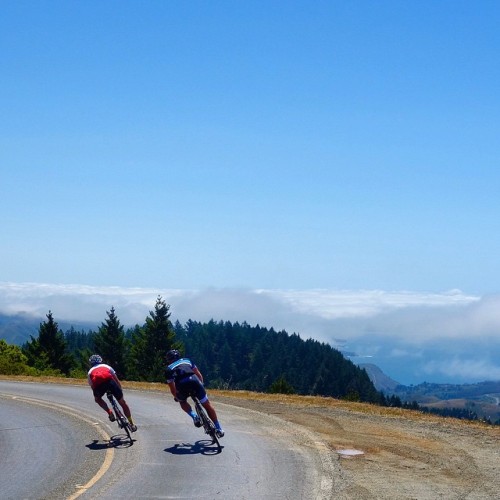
(206, 422)
(121, 419)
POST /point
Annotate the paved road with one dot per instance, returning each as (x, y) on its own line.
(55, 443)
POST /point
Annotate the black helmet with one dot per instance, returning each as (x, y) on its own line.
(95, 359)
(173, 355)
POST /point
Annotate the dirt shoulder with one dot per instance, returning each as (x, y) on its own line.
(406, 455)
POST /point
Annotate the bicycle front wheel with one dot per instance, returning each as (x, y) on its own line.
(208, 425)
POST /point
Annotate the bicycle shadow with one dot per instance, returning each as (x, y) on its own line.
(202, 447)
(116, 441)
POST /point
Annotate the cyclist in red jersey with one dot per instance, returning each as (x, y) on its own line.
(102, 378)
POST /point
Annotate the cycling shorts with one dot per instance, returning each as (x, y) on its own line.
(190, 385)
(108, 385)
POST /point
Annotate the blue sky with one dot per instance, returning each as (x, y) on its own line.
(251, 146)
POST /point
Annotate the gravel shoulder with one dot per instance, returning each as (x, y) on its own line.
(406, 455)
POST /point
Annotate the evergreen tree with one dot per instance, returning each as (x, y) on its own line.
(281, 386)
(79, 340)
(110, 343)
(49, 350)
(151, 343)
(134, 338)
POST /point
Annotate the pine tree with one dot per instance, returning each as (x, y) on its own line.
(110, 343)
(281, 386)
(151, 343)
(49, 350)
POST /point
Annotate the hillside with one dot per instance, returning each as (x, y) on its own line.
(17, 328)
(482, 398)
(240, 356)
(380, 380)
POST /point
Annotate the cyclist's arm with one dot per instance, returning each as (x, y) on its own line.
(198, 373)
(172, 388)
(115, 378)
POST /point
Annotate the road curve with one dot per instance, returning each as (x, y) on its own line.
(55, 442)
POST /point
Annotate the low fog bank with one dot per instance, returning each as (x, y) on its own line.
(412, 336)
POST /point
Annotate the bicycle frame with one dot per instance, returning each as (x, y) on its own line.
(121, 420)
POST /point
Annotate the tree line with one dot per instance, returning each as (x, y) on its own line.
(136, 353)
(254, 358)
(231, 356)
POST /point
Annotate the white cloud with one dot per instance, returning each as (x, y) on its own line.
(464, 369)
(77, 302)
(332, 304)
(397, 352)
(322, 314)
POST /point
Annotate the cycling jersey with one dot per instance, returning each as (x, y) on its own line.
(99, 374)
(182, 373)
(101, 379)
(180, 369)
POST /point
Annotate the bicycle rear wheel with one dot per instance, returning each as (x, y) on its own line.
(121, 420)
(207, 423)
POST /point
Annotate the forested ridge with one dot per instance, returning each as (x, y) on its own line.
(233, 356)
(230, 355)
(240, 356)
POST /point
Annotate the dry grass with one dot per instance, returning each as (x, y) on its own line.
(285, 400)
(338, 404)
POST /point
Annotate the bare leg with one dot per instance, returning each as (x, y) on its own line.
(186, 407)
(126, 409)
(210, 410)
(102, 404)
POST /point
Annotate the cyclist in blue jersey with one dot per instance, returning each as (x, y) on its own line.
(184, 378)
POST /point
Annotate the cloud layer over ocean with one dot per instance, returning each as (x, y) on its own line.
(412, 336)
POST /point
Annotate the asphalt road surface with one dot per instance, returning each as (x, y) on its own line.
(55, 442)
